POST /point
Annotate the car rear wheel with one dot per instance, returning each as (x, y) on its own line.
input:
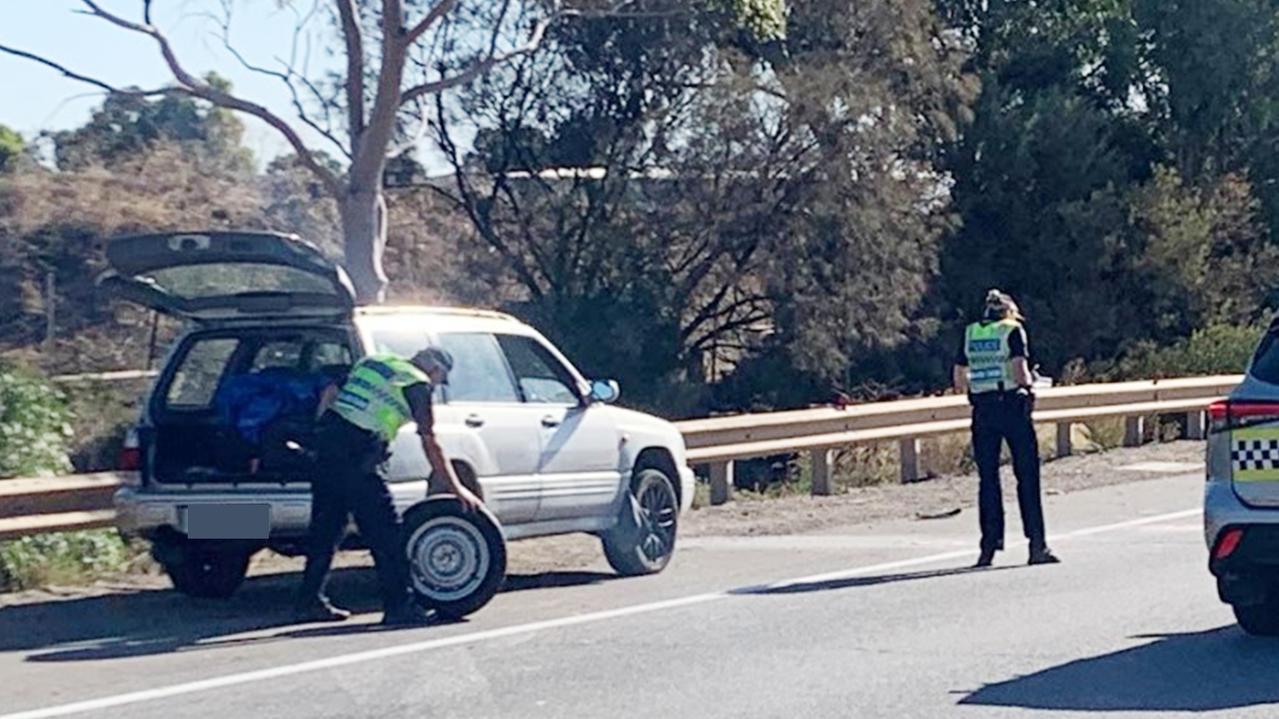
(457, 559)
(204, 572)
(1260, 620)
(644, 539)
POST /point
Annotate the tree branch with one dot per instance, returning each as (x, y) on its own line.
(285, 77)
(479, 67)
(437, 11)
(84, 78)
(354, 38)
(201, 89)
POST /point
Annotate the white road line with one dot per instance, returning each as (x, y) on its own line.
(228, 680)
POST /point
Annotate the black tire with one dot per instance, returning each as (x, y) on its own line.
(204, 572)
(644, 539)
(457, 559)
(1261, 620)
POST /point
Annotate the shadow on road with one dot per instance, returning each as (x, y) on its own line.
(152, 621)
(1218, 669)
(862, 581)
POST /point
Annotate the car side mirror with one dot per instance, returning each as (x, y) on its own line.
(605, 390)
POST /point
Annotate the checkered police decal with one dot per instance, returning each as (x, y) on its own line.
(1255, 455)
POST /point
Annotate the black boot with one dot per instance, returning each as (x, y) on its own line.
(407, 614)
(985, 559)
(1042, 555)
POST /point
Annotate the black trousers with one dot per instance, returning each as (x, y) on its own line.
(348, 483)
(998, 419)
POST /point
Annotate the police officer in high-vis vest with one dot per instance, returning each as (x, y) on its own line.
(993, 367)
(381, 394)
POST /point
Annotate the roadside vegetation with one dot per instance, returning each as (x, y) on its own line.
(36, 431)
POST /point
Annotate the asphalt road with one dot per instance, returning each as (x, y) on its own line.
(879, 621)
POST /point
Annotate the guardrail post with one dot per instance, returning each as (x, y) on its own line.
(910, 460)
(823, 461)
(721, 482)
(1134, 431)
(1064, 448)
(1195, 425)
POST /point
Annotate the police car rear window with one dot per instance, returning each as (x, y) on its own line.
(1265, 362)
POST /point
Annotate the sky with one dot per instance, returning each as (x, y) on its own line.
(34, 97)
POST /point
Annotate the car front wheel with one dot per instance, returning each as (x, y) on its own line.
(644, 539)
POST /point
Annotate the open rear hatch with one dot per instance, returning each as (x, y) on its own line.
(211, 276)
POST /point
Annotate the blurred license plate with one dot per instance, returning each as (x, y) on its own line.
(228, 521)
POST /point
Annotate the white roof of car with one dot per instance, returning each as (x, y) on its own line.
(441, 319)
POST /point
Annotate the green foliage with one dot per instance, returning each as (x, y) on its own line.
(34, 425)
(62, 557)
(764, 19)
(125, 127)
(1216, 349)
(11, 147)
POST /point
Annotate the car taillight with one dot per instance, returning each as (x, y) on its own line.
(1227, 414)
(1228, 543)
(130, 457)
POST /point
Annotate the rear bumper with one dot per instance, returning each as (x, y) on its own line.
(143, 513)
(1250, 573)
(1223, 509)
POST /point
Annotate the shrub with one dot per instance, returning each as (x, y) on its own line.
(1216, 349)
(35, 425)
(69, 557)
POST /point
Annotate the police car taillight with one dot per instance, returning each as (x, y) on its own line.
(1226, 414)
(130, 457)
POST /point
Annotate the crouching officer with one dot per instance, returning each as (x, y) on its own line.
(360, 418)
(993, 367)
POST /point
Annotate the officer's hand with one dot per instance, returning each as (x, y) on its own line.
(469, 501)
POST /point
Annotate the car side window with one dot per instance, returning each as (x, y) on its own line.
(479, 372)
(541, 378)
(199, 373)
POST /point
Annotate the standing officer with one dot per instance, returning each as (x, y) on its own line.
(993, 367)
(381, 394)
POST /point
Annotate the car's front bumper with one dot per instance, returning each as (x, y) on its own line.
(687, 487)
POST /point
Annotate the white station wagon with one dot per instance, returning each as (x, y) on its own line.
(538, 441)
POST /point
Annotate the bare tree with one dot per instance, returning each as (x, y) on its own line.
(398, 53)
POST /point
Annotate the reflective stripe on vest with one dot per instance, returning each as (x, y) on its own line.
(373, 396)
(990, 367)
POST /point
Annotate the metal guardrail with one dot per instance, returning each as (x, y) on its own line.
(123, 375)
(32, 506)
(48, 504)
(718, 442)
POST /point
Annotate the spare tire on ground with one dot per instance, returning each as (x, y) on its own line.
(457, 558)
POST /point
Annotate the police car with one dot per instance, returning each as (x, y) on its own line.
(1241, 498)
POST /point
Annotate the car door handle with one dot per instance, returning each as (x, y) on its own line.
(474, 421)
(550, 421)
